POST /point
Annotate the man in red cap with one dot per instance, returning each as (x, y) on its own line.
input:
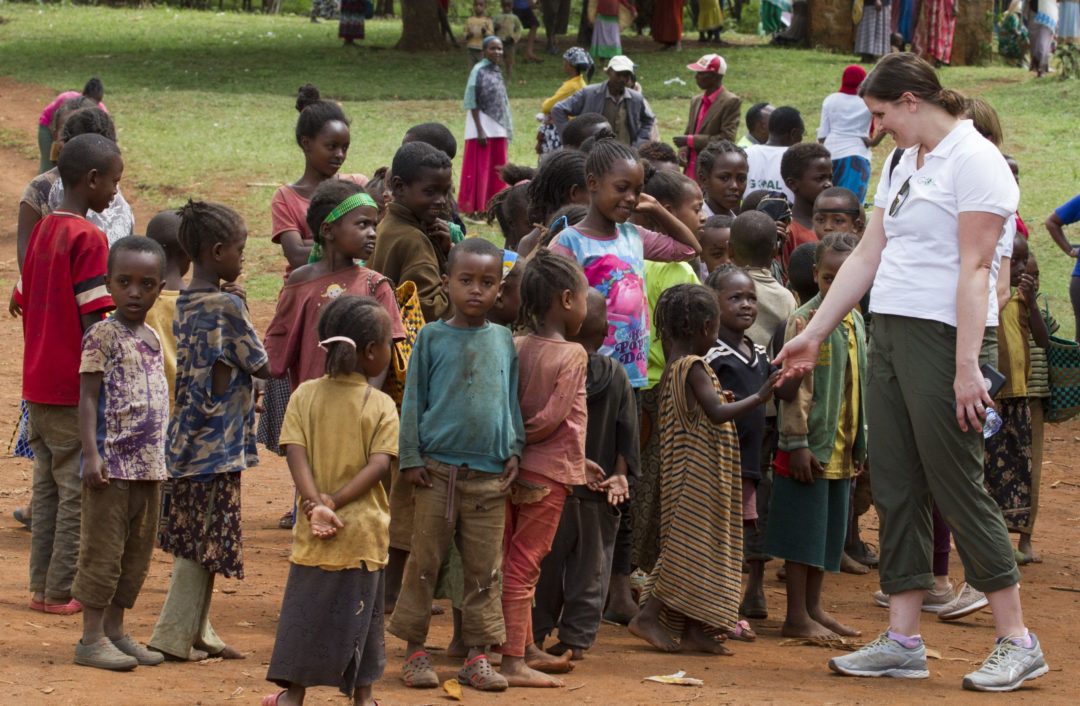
(713, 115)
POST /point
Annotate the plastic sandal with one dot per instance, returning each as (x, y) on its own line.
(70, 608)
(478, 674)
(271, 699)
(417, 672)
(39, 606)
(743, 632)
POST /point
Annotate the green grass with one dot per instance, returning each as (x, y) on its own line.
(204, 103)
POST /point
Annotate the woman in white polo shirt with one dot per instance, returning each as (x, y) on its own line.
(930, 252)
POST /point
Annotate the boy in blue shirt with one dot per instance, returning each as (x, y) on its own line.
(461, 438)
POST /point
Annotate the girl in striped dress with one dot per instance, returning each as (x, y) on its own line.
(694, 588)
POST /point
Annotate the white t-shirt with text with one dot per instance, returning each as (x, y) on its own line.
(764, 172)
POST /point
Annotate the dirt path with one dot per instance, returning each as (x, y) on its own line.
(36, 650)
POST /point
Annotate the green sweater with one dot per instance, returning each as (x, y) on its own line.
(811, 419)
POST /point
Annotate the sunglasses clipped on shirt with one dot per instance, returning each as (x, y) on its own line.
(901, 197)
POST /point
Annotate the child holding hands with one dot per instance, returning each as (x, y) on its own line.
(340, 434)
(694, 587)
(460, 443)
(822, 447)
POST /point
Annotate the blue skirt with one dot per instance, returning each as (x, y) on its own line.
(852, 173)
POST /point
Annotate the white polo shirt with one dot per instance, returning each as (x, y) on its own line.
(920, 265)
(764, 170)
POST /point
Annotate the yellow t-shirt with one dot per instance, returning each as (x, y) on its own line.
(160, 318)
(476, 28)
(1014, 357)
(342, 422)
(841, 464)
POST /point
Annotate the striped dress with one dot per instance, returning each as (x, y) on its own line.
(699, 571)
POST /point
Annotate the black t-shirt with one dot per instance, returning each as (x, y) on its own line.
(743, 377)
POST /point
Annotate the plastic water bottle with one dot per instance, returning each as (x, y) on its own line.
(992, 423)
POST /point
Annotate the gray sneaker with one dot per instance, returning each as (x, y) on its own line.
(884, 657)
(933, 602)
(144, 656)
(1008, 666)
(103, 654)
(967, 601)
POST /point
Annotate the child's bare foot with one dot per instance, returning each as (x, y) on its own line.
(621, 607)
(850, 566)
(1025, 553)
(695, 639)
(519, 674)
(652, 632)
(830, 623)
(541, 661)
(227, 653)
(806, 627)
(560, 648)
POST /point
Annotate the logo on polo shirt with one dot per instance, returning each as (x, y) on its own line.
(925, 181)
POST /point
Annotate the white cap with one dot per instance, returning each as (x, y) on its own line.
(619, 64)
(710, 63)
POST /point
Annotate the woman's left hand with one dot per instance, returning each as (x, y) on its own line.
(972, 398)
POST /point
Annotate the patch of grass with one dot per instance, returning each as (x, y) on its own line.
(204, 103)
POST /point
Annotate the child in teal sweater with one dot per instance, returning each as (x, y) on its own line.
(822, 447)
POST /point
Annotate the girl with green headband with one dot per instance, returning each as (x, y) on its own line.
(342, 220)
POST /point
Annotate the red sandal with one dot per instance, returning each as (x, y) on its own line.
(418, 673)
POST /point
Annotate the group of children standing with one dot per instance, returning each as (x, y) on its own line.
(595, 399)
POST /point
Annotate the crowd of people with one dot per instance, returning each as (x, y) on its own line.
(663, 379)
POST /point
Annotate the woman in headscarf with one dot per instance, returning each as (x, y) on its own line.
(488, 130)
(578, 67)
(845, 132)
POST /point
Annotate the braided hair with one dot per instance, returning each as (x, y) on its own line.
(835, 242)
(707, 157)
(605, 153)
(361, 319)
(683, 310)
(720, 276)
(546, 277)
(204, 224)
(315, 113)
(560, 171)
(89, 120)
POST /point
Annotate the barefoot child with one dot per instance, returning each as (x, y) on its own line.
(822, 447)
(552, 394)
(340, 434)
(460, 442)
(211, 437)
(574, 576)
(66, 256)
(694, 588)
(122, 385)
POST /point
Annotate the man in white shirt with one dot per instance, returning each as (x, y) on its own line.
(785, 129)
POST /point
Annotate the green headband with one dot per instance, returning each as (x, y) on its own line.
(355, 201)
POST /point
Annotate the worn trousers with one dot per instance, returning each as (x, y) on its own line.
(185, 617)
(530, 530)
(57, 499)
(468, 508)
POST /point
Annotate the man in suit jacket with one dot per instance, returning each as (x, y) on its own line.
(714, 114)
(625, 109)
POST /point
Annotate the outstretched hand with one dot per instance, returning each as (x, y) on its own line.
(766, 391)
(798, 356)
(617, 489)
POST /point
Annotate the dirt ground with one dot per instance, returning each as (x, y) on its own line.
(36, 650)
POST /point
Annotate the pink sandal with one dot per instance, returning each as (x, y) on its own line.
(743, 632)
(272, 699)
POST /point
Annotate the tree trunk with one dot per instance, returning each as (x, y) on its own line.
(974, 33)
(830, 25)
(420, 29)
